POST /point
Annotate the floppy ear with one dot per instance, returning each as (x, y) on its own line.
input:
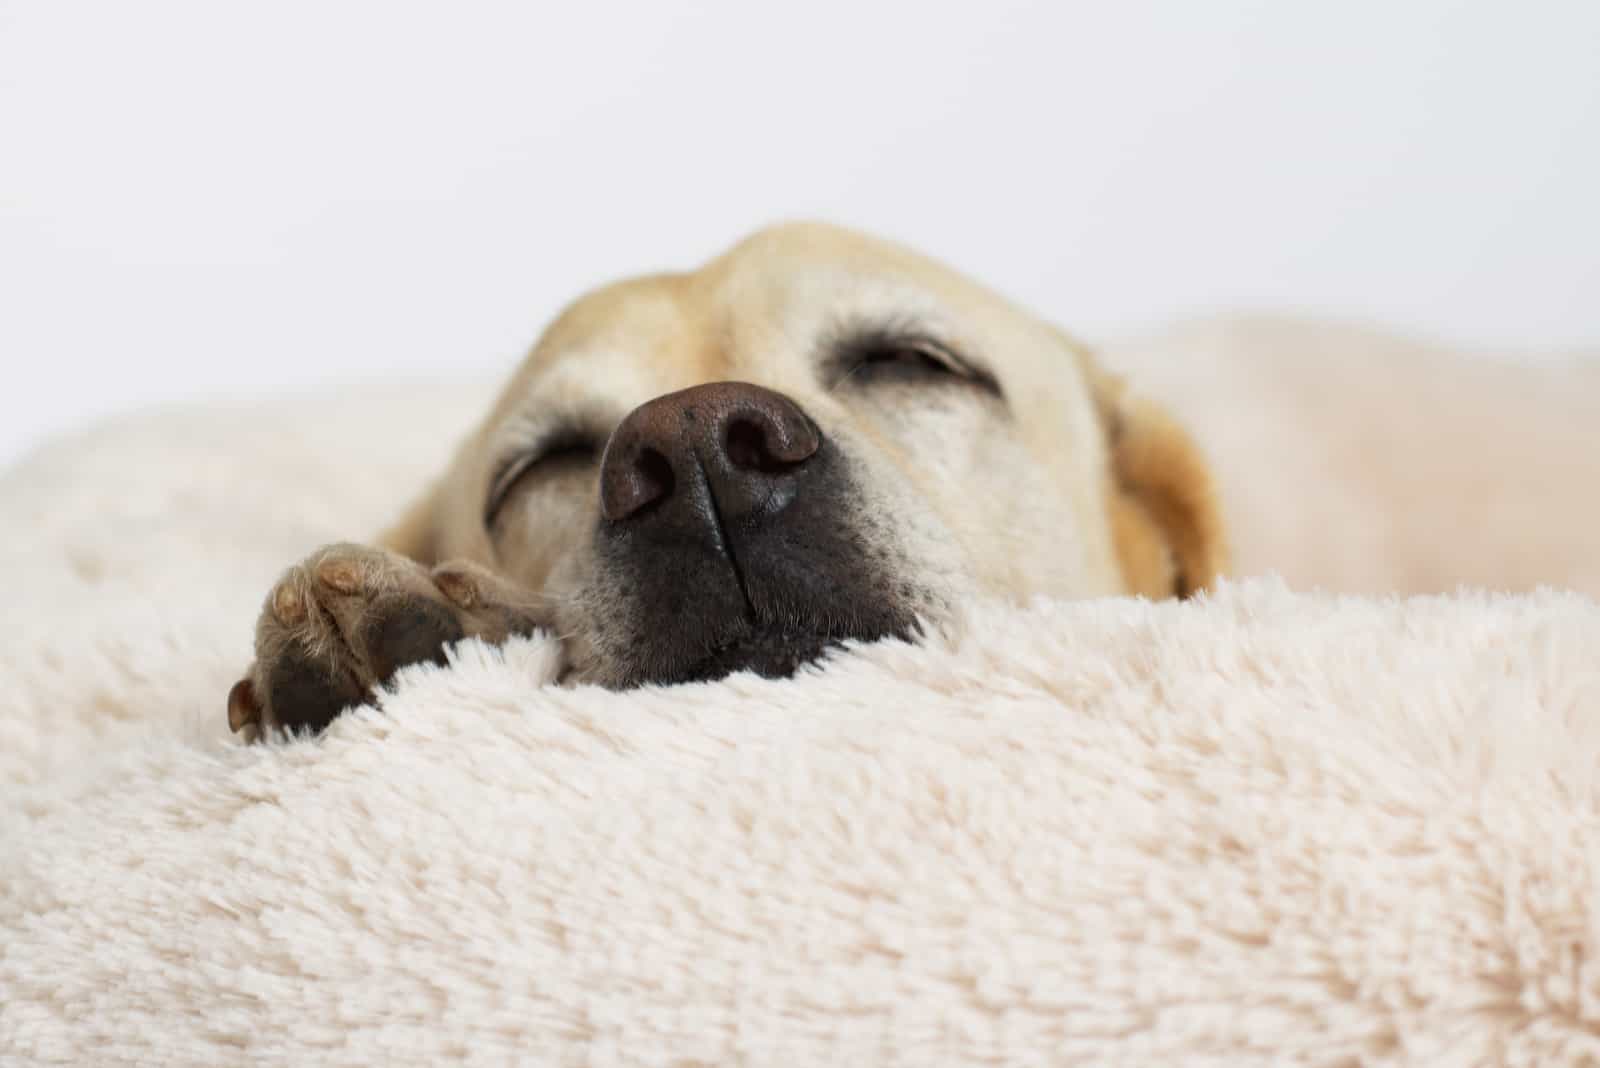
(1165, 517)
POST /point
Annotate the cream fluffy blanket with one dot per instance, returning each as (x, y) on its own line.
(1263, 828)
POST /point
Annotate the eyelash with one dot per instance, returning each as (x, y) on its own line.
(567, 449)
(883, 355)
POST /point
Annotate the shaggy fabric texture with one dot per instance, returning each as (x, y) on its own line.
(1261, 828)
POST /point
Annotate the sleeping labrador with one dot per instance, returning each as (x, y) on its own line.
(815, 438)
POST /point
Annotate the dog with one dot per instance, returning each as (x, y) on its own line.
(816, 438)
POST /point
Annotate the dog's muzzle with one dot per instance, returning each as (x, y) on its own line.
(728, 526)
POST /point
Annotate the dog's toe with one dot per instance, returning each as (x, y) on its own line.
(400, 629)
(307, 692)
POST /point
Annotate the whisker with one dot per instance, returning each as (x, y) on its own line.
(844, 378)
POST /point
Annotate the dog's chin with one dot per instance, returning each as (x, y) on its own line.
(771, 651)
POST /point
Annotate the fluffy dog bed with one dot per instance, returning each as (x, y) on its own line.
(1265, 827)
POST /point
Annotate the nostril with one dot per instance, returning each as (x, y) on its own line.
(654, 472)
(629, 486)
(749, 446)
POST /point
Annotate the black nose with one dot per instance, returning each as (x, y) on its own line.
(744, 442)
(732, 537)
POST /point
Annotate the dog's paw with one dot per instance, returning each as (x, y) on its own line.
(345, 619)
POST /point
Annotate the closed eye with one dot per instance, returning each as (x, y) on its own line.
(879, 356)
(559, 453)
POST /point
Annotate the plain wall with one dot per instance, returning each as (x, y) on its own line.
(205, 199)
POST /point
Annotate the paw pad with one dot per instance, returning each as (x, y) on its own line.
(404, 629)
(341, 575)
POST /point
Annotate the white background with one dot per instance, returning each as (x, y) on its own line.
(212, 198)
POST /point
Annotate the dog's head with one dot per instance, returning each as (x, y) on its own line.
(816, 437)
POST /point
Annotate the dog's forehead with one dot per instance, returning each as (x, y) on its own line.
(765, 312)
(767, 297)
(791, 275)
